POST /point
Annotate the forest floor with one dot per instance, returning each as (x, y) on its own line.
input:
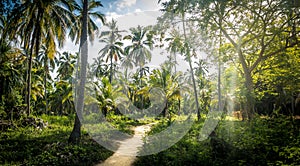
(128, 149)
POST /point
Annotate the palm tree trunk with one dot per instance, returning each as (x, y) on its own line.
(142, 98)
(175, 62)
(29, 78)
(111, 68)
(219, 73)
(35, 42)
(192, 72)
(76, 132)
(45, 83)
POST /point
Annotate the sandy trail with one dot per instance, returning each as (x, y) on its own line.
(127, 152)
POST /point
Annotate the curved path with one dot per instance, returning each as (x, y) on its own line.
(127, 152)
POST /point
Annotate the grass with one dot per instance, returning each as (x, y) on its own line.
(263, 141)
(28, 145)
(31, 146)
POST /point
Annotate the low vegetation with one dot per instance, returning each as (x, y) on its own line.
(263, 141)
(26, 144)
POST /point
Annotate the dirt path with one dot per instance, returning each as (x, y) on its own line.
(127, 152)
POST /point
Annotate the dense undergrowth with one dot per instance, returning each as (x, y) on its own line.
(263, 141)
(29, 144)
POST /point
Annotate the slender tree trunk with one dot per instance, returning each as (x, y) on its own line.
(76, 132)
(192, 72)
(126, 77)
(142, 98)
(45, 83)
(175, 59)
(29, 78)
(35, 42)
(219, 71)
(111, 68)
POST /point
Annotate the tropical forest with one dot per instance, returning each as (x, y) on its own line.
(150, 82)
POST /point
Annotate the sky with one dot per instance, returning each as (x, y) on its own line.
(129, 13)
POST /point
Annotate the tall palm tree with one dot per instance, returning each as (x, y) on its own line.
(142, 42)
(84, 30)
(40, 21)
(113, 48)
(76, 132)
(175, 45)
(49, 65)
(179, 8)
(93, 15)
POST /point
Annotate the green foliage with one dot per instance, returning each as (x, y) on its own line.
(263, 141)
(31, 146)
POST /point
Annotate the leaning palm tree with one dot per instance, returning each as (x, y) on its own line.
(36, 22)
(179, 8)
(113, 48)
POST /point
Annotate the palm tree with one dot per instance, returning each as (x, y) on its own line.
(175, 45)
(76, 132)
(179, 8)
(105, 95)
(112, 49)
(49, 65)
(40, 21)
(85, 28)
(126, 62)
(168, 83)
(62, 98)
(93, 15)
(66, 66)
(99, 68)
(142, 43)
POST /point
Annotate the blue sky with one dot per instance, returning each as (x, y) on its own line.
(117, 8)
(122, 7)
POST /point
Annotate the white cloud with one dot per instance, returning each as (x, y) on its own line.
(151, 5)
(125, 3)
(138, 10)
(112, 15)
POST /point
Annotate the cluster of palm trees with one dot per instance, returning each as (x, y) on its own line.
(31, 34)
(137, 84)
(33, 31)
